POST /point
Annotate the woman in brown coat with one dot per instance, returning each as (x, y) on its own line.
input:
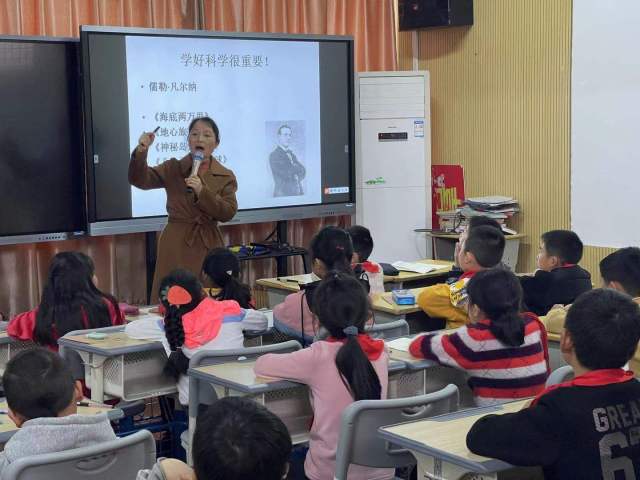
(192, 228)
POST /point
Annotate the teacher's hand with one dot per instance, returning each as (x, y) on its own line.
(195, 183)
(145, 141)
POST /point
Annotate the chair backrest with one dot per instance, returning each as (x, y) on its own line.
(359, 442)
(116, 459)
(560, 375)
(203, 393)
(388, 331)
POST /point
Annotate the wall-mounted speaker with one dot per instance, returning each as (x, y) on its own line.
(434, 13)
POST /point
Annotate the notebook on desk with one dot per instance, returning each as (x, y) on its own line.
(416, 267)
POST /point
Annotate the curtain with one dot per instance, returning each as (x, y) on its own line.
(120, 260)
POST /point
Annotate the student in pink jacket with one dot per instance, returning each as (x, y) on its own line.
(331, 249)
(347, 366)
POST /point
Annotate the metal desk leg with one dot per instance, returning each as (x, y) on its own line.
(430, 468)
(96, 364)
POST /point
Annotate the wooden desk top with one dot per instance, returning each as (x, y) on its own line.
(115, 343)
(292, 282)
(384, 303)
(445, 436)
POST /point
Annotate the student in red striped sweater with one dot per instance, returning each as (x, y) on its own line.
(503, 351)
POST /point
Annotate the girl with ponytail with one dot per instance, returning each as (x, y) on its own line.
(503, 350)
(222, 268)
(347, 366)
(70, 301)
(331, 250)
(193, 322)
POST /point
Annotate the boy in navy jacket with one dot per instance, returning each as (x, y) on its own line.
(587, 428)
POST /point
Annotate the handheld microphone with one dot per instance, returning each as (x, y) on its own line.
(198, 157)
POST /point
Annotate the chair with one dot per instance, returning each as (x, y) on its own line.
(388, 331)
(560, 375)
(202, 393)
(359, 442)
(120, 458)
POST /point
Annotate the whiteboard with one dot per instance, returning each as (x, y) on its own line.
(605, 122)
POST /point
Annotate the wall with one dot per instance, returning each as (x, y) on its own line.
(500, 102)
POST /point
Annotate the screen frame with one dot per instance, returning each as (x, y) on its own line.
(49, 236)
(269, 214)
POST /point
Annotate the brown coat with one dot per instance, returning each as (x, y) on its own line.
(192, 229)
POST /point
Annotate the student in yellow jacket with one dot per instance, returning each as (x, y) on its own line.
(481, 250)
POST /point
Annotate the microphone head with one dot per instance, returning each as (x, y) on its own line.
(198, 155)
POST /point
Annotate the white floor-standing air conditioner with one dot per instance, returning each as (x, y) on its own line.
(393, 182)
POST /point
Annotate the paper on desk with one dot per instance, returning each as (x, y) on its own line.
(401, 344)
(416, 267)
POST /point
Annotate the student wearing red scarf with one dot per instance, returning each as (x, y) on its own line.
(347, 366)
(589, 427)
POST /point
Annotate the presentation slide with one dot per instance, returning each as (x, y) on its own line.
(264, 96)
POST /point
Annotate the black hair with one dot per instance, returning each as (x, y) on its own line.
(239, 439)
(340, 301)
(564, 244)
(178, 363)
(481, 220)
(37, 383)
(604, 325)
(210, 122)
(487, 245)
(623, 266)
(498, 293)
(70, 300)
(333, 246)
(223, 268)
(361, 240)
(282, 127)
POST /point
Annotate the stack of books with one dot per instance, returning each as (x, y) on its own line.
(498, 207)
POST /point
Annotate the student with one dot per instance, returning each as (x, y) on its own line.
(235, 439)
(586, 428)
(347, 366)
(559, 279)
(222, 268)
(482, 249)
(362, 266)
(503, 351)
(619, 271)
(70, 301)
(474, 222)
(194, 322)
(42, 398)
(331, 249)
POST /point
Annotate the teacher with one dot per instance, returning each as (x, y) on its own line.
(195, 203)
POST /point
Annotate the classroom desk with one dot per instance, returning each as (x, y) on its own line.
(8, 428)
(121, 366)
(387, 311)
(444, 245)
(278, 288)
(439, 443)
(435, 376)
(289, 400)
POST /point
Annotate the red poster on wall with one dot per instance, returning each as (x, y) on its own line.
(447, 190)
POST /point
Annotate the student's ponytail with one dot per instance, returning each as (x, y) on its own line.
(178, 363)
(497, 292)
(333, 246)
(223, 268)
(342, 307)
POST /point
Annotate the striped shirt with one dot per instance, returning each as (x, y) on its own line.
(497, 372)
